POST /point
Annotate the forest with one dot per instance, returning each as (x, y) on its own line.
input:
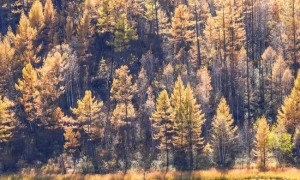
(105, 86)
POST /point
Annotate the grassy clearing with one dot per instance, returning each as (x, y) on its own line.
(290, 173)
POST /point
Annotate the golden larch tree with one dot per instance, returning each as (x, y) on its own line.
(289, 112)
(85, 33)
(177, 99)
(6, 69)
(163, 125)
(51, 86)
(290, 16)
(262, 142)
(36, 15)
(223, 135)
(182, 33)
(24, 43)
(50, 25)
(7, 120)
(123, 118)
(194, 119)
(30, 97)
(88, 114)
(72, 143)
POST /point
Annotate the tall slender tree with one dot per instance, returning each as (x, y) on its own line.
(163, 125)
(262, 142)
(223, 135)
(194, 119)
(182, 33)
(88, 113)
(122, 120)
(29, 94)
(288, 113)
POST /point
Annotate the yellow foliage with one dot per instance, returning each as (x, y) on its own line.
(29, 92)
(289, 113)
(88, 113)
(223, 134)
(24, 42)
(36, 15)
(262, 142)
(7, 120)
(71, 140)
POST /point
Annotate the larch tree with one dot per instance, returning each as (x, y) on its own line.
(223, 135)
(105, 21)
(194, 119)
(88, 114)
(211, 34)
(6, 69)
(30, 98)
(163, 125)
(182, 34)
(278, 70)
(268, 59)
(289, 112)
(237, 41)
(51, 86)
(147, 147)
(122, 90)
(124, 32)
(222, 23)
(163, 23)
(290, 18)
(72, 143)
(122, 120)
(72, 138)
(85, 33)
(180, 141)
(135, 9)
(7, 121)
(204, 93)
(69, 67)
(50, 25)
(36, 15)
(114, 18)
(229, 24)
(151, 10)
(200, 11)
(287, 82)
(24, 43)
(49, 14)
(177, 98)
(262, 142)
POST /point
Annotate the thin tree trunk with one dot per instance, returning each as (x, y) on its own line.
(197, 36)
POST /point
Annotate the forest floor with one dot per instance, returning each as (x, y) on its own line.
(287, 173)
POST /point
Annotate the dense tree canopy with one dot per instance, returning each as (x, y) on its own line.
(100, 86)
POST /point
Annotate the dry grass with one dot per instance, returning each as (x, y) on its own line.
(288, 173)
